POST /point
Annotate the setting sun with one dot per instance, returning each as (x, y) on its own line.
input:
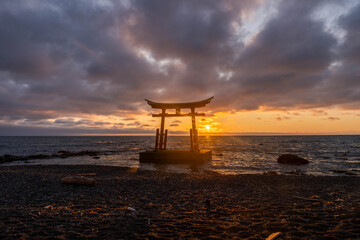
(207, 127)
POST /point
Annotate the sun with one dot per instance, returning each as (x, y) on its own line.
(207, 127)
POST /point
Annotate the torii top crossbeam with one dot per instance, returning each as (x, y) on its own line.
(178, 106)
(190, 105)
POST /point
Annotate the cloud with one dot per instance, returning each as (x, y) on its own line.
(290, 43)
(64, 121)
(332, 118)
(136, 123)
(343, 86)
(286, 62)
(14, 130)
(129, 119)
(350, 49)
(281, 118)
(96, 58)
(317, 112)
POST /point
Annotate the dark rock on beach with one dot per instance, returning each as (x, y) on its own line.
(10, 158)
(291, 159)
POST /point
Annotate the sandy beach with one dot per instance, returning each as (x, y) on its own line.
(131, 204)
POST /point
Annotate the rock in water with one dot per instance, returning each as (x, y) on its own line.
(76, 180)
(291, 159)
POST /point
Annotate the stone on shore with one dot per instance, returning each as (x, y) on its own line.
(291, 159)
(76, 180)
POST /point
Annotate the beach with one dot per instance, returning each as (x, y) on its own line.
(128, 203)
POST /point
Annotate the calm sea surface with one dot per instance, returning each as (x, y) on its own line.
(329, 155)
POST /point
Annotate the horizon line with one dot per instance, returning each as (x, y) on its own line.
(201, 135)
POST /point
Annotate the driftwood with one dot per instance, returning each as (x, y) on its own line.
(76, 180)
(308, 199)
(86, 174)
(274, 236)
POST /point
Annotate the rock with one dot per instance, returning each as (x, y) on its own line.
(296, 171)
(63, 152)
(9, 158)
(343, 171)
(76, 180)
(291, 159)
(131, 209)
(207, 203)
(270, 173)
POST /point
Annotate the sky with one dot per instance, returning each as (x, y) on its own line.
(274, 67)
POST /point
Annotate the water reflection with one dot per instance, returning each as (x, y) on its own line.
(179, 168)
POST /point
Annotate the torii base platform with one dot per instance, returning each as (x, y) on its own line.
(176, 156)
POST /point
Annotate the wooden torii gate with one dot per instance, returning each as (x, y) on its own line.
(160, 154)
(161, 136)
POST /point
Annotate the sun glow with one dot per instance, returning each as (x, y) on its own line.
(209, 125)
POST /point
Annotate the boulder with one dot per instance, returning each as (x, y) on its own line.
(76, 180)
(291, 159)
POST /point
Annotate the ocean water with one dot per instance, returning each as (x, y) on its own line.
(328, 155)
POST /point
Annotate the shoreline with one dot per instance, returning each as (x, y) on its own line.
(34, 204)
(189, 169)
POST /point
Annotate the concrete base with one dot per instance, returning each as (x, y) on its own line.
(175, 156)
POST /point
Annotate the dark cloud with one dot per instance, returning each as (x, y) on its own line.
(189, 30)
(70, 58)
(332, 118)
(290, 43)
(281, 118)
(64, 121)
(350, 49)
(316, 112)
(83, 122)
(136, 123)
(129, 119)
(176, 121)
(285, 62)
(341, 85)
(15, 130)
(102, 123)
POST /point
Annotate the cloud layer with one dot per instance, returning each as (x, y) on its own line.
(74, 58)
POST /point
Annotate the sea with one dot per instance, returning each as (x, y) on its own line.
(328, 155)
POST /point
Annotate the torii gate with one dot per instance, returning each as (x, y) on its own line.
(160, 155)
(194, 140)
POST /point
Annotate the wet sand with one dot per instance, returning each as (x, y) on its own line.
(131, 204)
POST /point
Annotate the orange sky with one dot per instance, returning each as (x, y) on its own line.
(314, 121)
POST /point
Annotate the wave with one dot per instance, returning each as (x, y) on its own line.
(60, 154)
